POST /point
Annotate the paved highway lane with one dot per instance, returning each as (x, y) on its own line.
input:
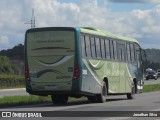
(152, 81)
(13, 92)
(143, 102)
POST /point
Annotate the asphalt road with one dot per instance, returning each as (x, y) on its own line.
(142, 102)
(152, 81)
(13, 92)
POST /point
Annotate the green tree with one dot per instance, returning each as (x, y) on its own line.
(16, 53)
(5, 65)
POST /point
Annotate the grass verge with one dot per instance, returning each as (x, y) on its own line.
(151, 88)
(10, 101)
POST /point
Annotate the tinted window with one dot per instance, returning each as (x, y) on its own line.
(115, 49)
(93, 49)
(137, 51)
(98, 50)
(88, 50)
(151, 72)
(103, 48)
(128, 53)
(121, 52)
(83, 46)
(132, 52)
(107, 49)
(111, 49)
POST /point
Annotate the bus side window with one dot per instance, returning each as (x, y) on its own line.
(83, 46)
(137, 50)
(111, 49)
(93, 49)
(98, 50)
(88, 49)
(128, 53)
(107, 48)
(103, 48)
(121, 52)
(115, 49)
(132, 53)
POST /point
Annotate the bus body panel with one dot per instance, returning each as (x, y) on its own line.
(52, 54)
(51, 59)
(94, 72)
(91, 82)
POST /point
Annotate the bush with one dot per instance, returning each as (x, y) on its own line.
(5, 65)
(11, 81)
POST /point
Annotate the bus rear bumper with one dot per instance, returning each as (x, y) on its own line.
(51, 92)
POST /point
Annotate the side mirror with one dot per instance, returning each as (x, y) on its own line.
(143, 55)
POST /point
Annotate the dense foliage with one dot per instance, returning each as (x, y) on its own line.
(153, 55)
(16, 53)
(11, 81)
(153, 58)
(5, 65)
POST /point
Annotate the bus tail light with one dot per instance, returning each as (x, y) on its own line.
(76, 72)
(26, 73)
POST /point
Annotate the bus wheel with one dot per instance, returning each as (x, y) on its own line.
(132, 94)
(59, 99)
(92, 99)
(101, 98)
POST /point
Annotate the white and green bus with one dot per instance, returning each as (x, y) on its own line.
(73, 62)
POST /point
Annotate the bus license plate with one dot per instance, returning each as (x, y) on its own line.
(51, 87)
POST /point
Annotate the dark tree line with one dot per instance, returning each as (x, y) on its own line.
(6, 57)
(5, 65)
(152, 65)
(16, 53)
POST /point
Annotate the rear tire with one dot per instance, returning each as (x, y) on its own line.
(59, 99)
(101, 98)
(132, 94)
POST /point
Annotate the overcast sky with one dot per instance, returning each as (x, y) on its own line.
(139, 19)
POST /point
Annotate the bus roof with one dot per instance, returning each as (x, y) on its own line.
(99, 32)
(88, 30)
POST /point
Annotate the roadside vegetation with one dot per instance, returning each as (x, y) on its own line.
(151, 88)
(11, 81)
(11, 101)
(8, 76)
